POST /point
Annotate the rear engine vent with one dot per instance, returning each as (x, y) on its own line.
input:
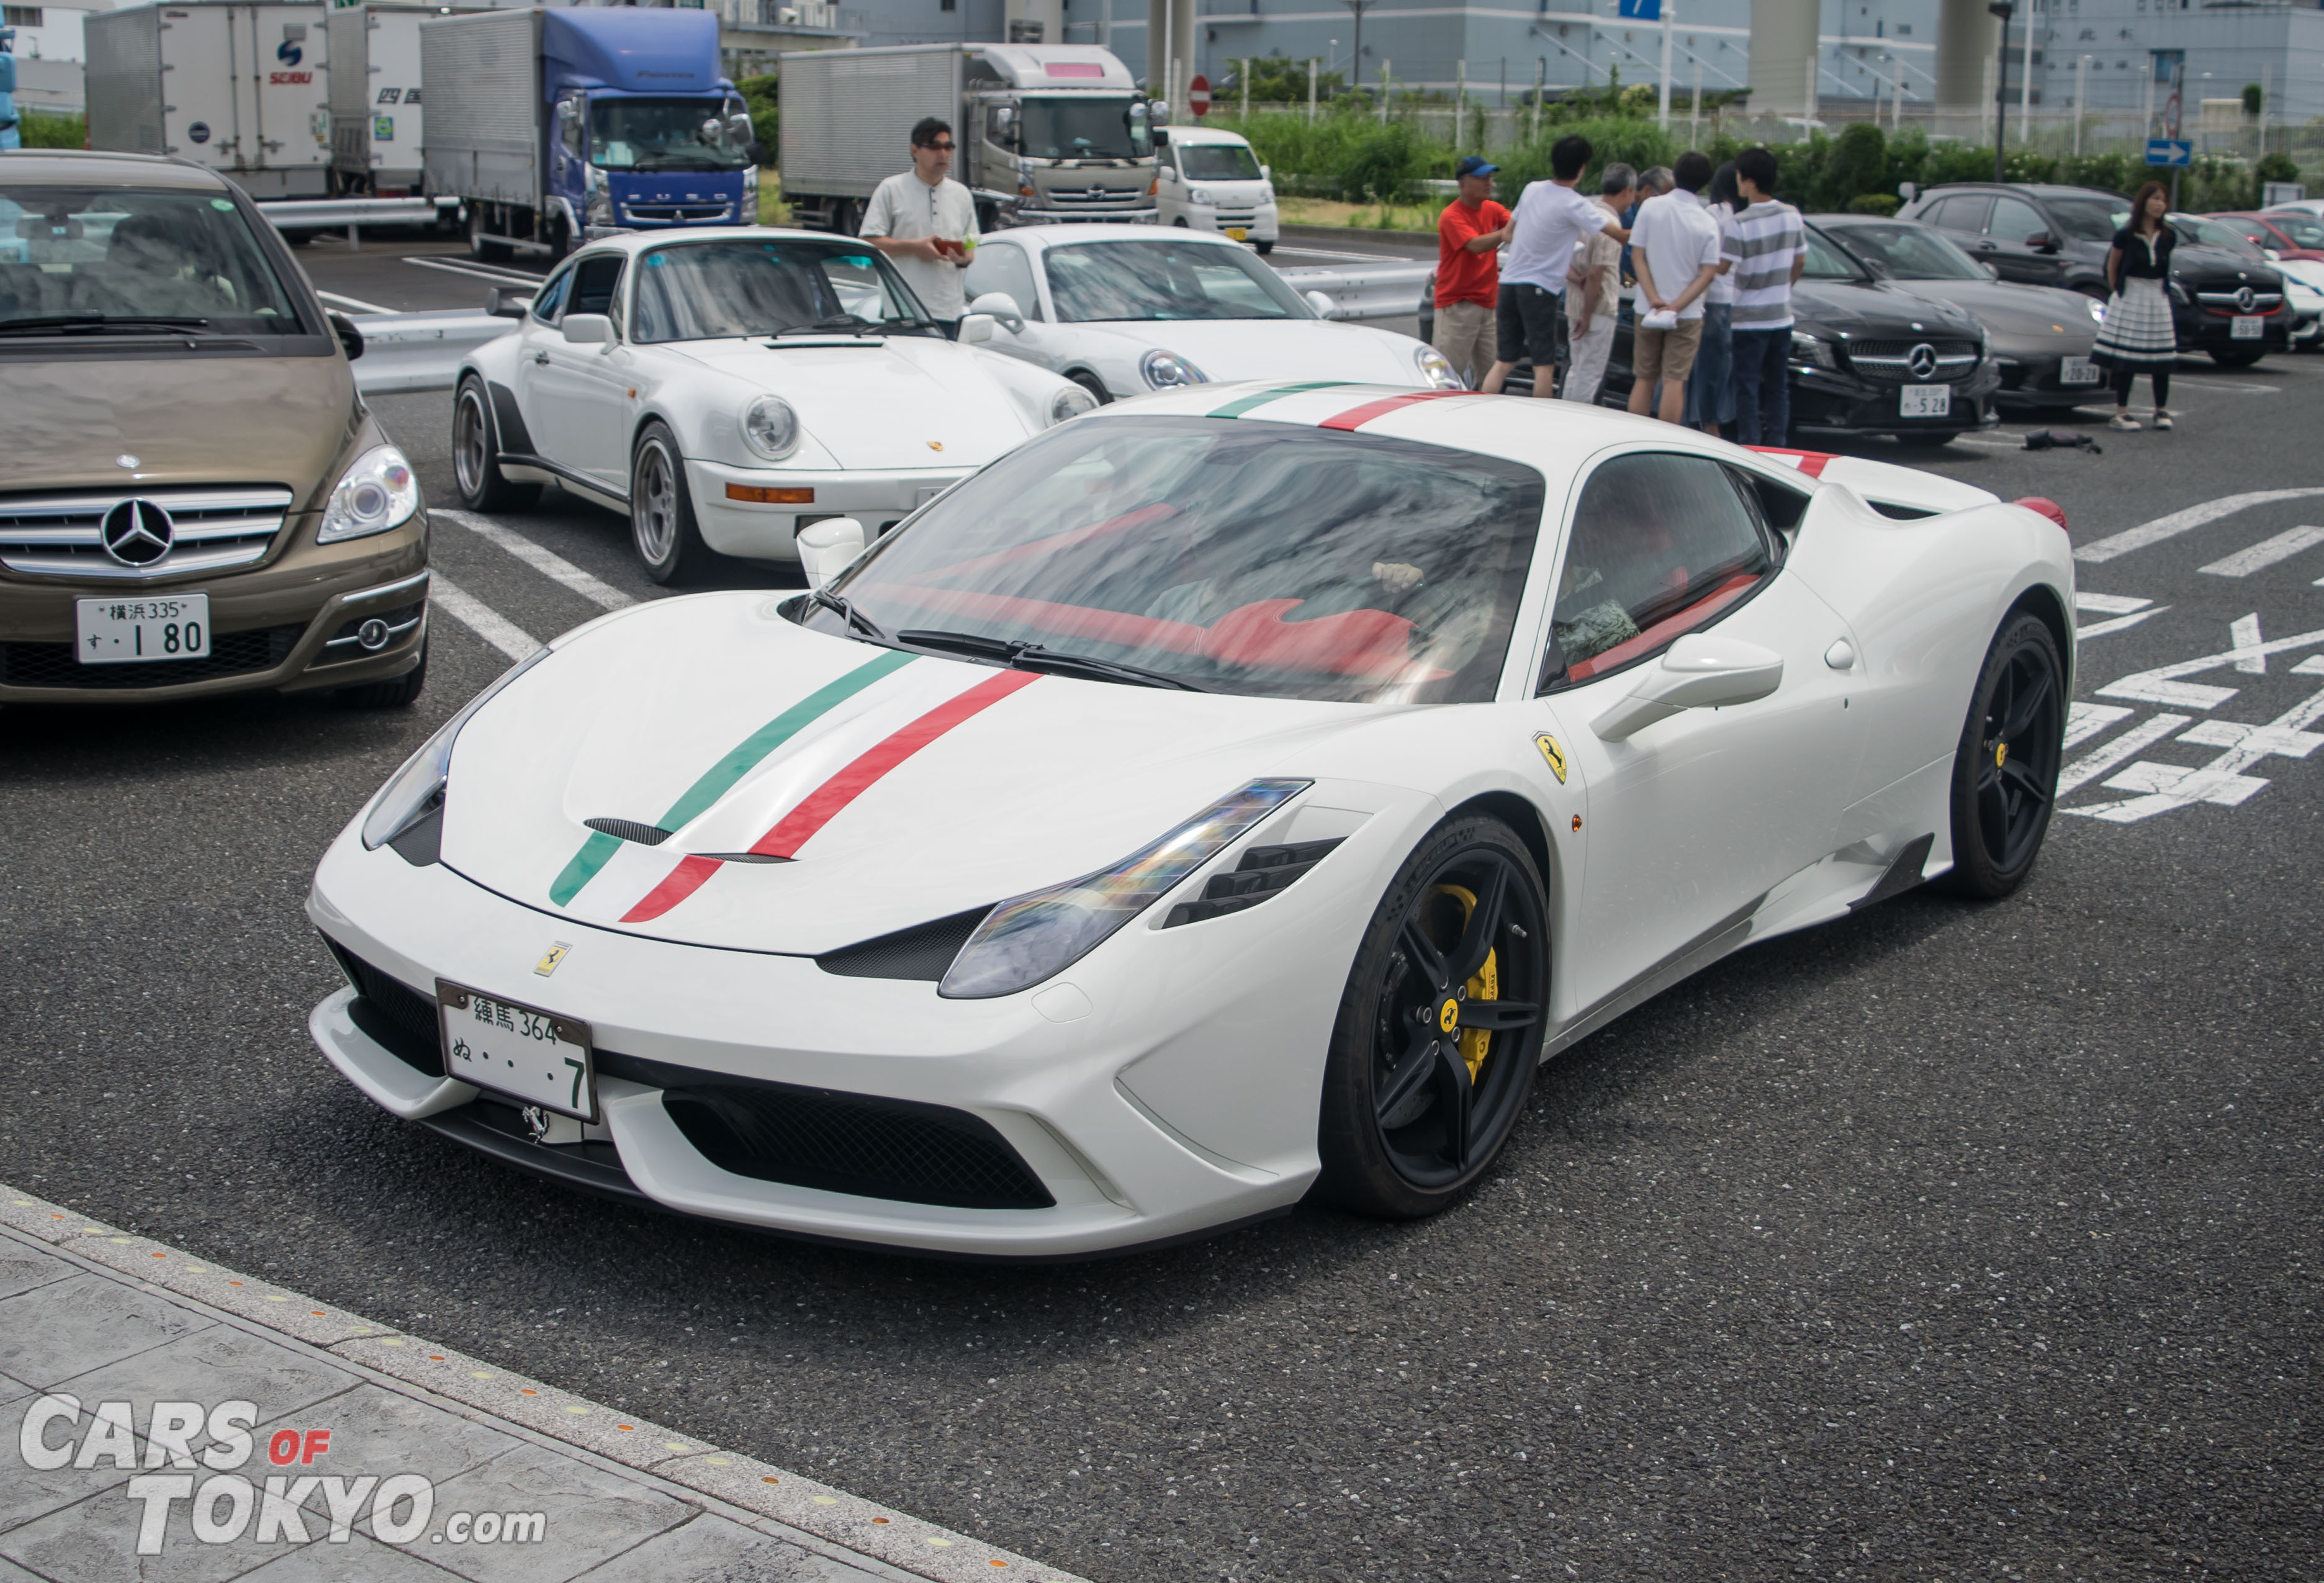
(629, 829)
(391, 1013)
(1264, 871)
(924, 951)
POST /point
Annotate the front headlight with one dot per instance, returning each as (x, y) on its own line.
(1071, 402)
(771, 428)
(1815, 350)
(378, 493)
(1436, 368)
(417, 790)
(1198, 195)
(1164, 370)
(2178, 293)
(1040, 935)
(2097, 308)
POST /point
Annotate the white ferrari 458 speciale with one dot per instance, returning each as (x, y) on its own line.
(1227, 796)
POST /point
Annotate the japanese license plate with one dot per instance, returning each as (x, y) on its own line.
(2077, 371)
(1925, 401)
(520, 1051)
(122, 632)
(1237, 233)
(2247, 327)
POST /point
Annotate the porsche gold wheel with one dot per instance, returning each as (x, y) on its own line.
(476, 462)
(2005, 769)
(662, 514)
(1440, 1027)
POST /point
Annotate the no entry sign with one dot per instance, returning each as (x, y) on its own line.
(1198, 95)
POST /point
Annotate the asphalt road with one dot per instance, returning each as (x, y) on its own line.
(1950, 1240)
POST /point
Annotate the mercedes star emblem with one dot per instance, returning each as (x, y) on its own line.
(1922, 360)
(137, 533)
(2245, 299)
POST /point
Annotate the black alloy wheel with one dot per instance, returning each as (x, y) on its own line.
(1440, 1027)
(2005, 769)
(476, 455)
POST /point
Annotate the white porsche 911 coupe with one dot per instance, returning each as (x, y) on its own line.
(1123, 311)
(726, 388)
(1226, 797)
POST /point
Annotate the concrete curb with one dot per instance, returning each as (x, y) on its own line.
(420, 1368)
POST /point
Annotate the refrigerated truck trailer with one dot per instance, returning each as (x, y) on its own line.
(237, 86)
(557, 127)
(1046, 132)
(377, 105)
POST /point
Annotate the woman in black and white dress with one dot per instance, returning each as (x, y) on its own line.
(2139, 335)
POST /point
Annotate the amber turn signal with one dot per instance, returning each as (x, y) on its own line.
(763, 495)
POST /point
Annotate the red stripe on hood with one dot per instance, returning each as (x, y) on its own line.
(1357, 417)
(824, 802)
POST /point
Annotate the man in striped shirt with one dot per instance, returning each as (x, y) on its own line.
(1767, 248)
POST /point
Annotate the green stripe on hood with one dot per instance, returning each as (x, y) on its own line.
(1244, 403)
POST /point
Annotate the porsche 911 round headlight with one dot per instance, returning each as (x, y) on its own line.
(415, 791)
(771, 428)
(1435, 367)
(378, 493)
(1039, 936)
(1164, 370)
(1071, 402)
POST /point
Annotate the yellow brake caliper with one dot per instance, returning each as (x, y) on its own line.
(1485, 985)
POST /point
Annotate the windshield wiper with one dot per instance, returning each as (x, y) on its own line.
(1023, 656)
(841, 607)
(73, 323)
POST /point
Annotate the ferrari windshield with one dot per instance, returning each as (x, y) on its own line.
(1271, 560)
(79, 260)
(702, 291)
(1162, 279)
(664, 135)
(1910, 253)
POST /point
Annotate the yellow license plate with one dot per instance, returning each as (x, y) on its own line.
(1237, 232)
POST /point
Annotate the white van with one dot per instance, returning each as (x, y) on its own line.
(1211, 180)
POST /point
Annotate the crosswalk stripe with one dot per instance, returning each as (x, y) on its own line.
(546, 562)
(2266, 553)
(479, 617)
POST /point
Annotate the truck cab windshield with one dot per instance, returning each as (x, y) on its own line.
(1081, 129)
(663, 135)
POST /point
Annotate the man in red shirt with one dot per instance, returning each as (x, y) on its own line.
(1468, 233)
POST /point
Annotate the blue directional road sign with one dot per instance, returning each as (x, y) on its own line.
(1642, 10)
(2169, 151)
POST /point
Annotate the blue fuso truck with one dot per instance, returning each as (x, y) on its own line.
(554, 127)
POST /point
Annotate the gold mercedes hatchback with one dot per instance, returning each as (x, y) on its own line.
(194, 499)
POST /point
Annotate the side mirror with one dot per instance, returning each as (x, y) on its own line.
(827, 548)
(350, 338)
(2041, 242)
(503, 303)
(2273, 255)
(1002, 307)
(1992, 271)
(1323, 306)
(1908, 190)
(588, 330)
(1267, 172)
(975, 328)
(1701, 670)
(1161, 137)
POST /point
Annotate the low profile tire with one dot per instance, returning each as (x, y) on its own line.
(2005, 769)
(397, 693)
(1264, 248)
(661, 511)
(2237, 358)
(1439, 1029)
(1091, 384)
(476, 459)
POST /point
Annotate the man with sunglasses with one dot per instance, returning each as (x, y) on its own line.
(926, 223)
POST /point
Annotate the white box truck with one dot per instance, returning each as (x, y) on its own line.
(239, 87)
(376, 103)
(1048, 132)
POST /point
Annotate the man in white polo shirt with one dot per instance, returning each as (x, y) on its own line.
(1529, 318)
(1675, 249)
(926, 223)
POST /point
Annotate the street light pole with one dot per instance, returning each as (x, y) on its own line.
(2004, 9)
(1356, 66)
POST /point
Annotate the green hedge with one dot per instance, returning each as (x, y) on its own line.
(44, 131)
(760, 95)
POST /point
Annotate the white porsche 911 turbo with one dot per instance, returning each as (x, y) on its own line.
(1226, 797)
(726, 388)
(1123, 311)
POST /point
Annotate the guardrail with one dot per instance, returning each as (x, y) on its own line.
(1387, 291)
(419, 351)
(332, 214)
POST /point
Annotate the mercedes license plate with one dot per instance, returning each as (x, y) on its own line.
(122, 632)
(1925, 401)
(1237, 233)
(2247, 327)
(2077, 371)
(520, 1051)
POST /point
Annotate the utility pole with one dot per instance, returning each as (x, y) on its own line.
(2004, 9)
(2025, 81)
(1662, 108)
(1384, 91)
(2081, 100)
(1808, 104)
(1311, 87)
(1356, 64)
(1694, 116)
(1460, 101)
(1540, 80)
(1246, 87)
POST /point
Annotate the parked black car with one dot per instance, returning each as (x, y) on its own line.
(2059, 237)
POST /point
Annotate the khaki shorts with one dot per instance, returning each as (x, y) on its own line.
(1464, 334)
(1666, 354)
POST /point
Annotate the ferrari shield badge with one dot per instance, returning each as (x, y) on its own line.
(548, 964)
(1552, 755)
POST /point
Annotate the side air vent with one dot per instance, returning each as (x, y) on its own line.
(395, 1015)
(924, 951)
(1264, 871)
(629, 829)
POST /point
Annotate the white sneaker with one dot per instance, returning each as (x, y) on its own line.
(2124, 423)
(2162, 418)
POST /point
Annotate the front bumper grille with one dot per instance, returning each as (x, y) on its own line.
(212, 529)
(2233, 302)
(1891, 362)
(391, 1013)
(677, 214)
(232, 654)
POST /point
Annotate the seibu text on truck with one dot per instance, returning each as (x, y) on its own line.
(554, 127)
(1046, 132)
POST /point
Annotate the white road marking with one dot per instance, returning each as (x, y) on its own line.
(357, 303)
(2084, 721)
(482, 272)
(2161, 685)
(2244, 633)
(2184, 522)
(2100, 628)
(2109, 604)
(2167, 787)
(2266, 553)
(2075, 775)
(1357, 258)
(479, 617)
(546, 562)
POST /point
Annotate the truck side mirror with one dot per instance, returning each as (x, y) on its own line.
(1161, 137)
